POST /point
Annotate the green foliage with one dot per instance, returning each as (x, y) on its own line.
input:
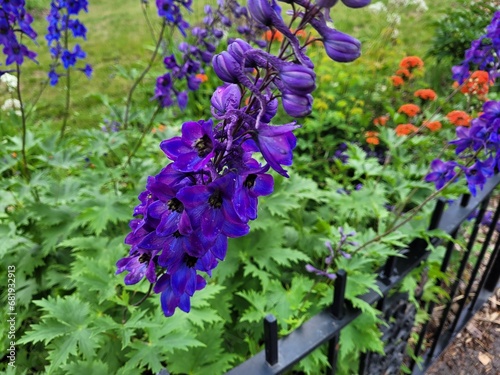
(462, 24)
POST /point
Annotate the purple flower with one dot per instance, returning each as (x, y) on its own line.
(442, 172)
(211, 208)
(249, 187)
(194, 149)
(276, 144)
(478, 174)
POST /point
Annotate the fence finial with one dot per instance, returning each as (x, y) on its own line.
(271, 339)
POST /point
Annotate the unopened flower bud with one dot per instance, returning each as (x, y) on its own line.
(326, 3)
(262, 11)
(356, 3)
(238, 48)
(226, 67)
(341, 47)
(225, 98)
(297, 105)
(298, 79)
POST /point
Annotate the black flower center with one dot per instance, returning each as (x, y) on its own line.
(215, 199)
(175, 205)
(250, 181)
(190, 261)
(204, 146)
(144, 258)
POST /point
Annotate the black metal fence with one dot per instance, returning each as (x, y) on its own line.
(483, 276)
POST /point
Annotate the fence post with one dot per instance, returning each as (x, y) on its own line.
(271, 339)
(338, 311)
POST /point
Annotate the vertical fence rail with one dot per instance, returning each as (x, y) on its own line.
(338, 311)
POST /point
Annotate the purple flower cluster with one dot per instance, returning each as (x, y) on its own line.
(480, 143)
(329, 260)
(484, 53)
(13, 20)
(209, 192)
(62, 21)
(187, 68)
(170, 10)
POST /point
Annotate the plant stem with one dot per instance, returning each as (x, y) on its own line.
(411, 214)
(37, 98)
(141, 77)
(146, 130)
(68, 87)
(23, 120)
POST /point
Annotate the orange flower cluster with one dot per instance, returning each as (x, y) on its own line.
(405, 129)
(381, 120)
(477, 84)
(410, 110)
(372, 138)
(459, 118)
(426, 94)
(397, 81)
(272, 35)
(433, 126)
(411, 62)
(202, 77)
(404, 73)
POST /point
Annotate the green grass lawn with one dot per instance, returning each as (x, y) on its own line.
(119, 39)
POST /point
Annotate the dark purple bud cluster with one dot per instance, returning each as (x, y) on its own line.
(14, 22)
(329, 262)
(62, 21)
(188, 67)
(479, 145)
(209, 192)
(170, 10)
(484, 54)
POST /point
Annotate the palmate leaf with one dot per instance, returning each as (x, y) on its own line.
(361, 335)
(212, 358)
(163, 336)
(45, 331)
(97, 213)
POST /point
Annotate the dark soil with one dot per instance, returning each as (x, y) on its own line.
(475, 350)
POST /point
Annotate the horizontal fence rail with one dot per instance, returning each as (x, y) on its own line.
(281, 355)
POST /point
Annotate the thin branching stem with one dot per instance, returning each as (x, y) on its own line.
(143, 74)
(26, 172)
(68, 88)
(147, 129)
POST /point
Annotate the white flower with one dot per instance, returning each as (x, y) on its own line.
(10, 80)
(377, 7)
(12, 105)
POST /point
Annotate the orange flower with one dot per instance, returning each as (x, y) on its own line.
(433, 125)
(405, 129)
(202, 77)
(397, 81)
(411, 62)
(301, 34)
(410, 110)
(14, 155)
(372, 138)
(476, 84)
(272, 35)
(459, 118)
(426, 94)
(403, 72)
(381, 120)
